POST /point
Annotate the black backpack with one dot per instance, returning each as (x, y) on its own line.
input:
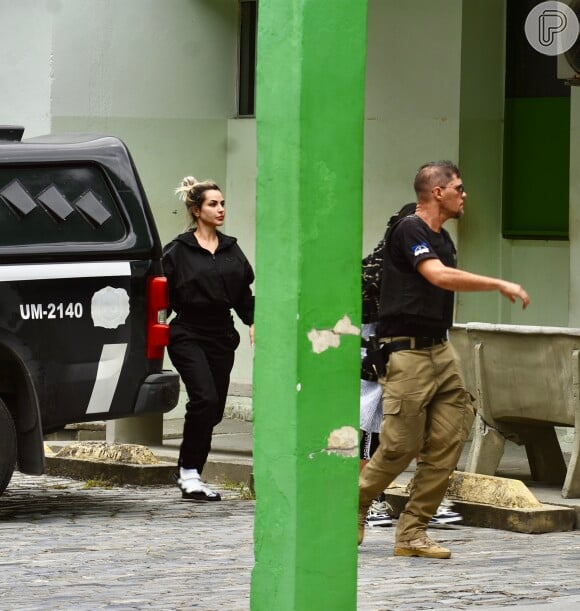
(372, 268)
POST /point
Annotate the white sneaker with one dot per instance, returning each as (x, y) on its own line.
(379, 514)
(193, 489)
(445, 515)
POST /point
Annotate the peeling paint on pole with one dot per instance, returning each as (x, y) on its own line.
(342, 442)
(330, 338)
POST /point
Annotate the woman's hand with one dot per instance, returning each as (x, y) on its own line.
(252, 335)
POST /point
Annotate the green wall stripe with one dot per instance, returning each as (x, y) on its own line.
(536, 167)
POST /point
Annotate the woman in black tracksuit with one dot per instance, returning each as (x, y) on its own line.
(208, 275)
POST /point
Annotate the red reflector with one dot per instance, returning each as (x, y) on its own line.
(157, 303)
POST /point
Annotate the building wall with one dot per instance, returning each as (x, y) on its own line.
(159, 75)
(25, 65)
(240, 188)
(162, 76)
(480, 152)
(541, 266)
(435, 89)
(412, 100)
(574, 261)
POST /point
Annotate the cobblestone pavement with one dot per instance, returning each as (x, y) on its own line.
(488, 569)
(65, 547)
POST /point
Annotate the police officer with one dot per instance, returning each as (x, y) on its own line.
(427, 411)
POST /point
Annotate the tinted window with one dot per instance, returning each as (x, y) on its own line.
(58, 205)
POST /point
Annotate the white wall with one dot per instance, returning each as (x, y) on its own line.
(173, 59)
(412, 100)
(158, 74)
(26, 65)
(241, 217)
(544, 268)
(574, 300)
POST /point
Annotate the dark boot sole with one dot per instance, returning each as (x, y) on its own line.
(402, 551)
(199, 497)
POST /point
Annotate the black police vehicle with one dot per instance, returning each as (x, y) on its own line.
(82, 292)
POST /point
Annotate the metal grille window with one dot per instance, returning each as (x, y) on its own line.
(58, 206)
(247, 58)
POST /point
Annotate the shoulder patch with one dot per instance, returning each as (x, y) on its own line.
(420, 249)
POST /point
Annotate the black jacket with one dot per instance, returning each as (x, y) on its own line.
(203, 287)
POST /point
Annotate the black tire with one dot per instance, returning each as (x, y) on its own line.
(7, 446)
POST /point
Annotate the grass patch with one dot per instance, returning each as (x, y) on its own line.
(97, 482)
(241, 488)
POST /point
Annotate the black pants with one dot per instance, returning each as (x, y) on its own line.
(204, 363)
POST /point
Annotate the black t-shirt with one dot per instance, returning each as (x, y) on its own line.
(410, 305)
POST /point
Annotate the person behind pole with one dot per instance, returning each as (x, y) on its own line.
(427, 410)
(371, 394)
(371, 399)
(208, 275)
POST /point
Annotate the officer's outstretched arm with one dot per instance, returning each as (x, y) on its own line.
(452, 279)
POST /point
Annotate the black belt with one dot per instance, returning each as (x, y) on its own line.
(394, 344)
(375, 362)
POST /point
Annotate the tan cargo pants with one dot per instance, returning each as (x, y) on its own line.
(427, 414)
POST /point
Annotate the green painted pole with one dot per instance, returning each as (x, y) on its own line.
(310, 112)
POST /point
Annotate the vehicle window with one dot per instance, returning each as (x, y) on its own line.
(58, 205)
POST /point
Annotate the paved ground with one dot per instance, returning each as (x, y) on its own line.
(64, 547)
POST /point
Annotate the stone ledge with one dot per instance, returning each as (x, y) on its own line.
(241, 389)
(535, 520)
(110, 452)
(491, 490)
(96, 425)
(239, 408)
(161, 474)
(116, 473)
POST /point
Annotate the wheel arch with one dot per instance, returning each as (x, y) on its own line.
(19, 394)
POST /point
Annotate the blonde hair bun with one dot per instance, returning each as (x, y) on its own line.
(186, 184)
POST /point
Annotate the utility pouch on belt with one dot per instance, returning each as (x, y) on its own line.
(374, 364)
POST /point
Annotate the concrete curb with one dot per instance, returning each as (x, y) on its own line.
(116, 473)
(161, 474)
(491, 490)
(534, 520)
(484, 501)
(217, 471)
